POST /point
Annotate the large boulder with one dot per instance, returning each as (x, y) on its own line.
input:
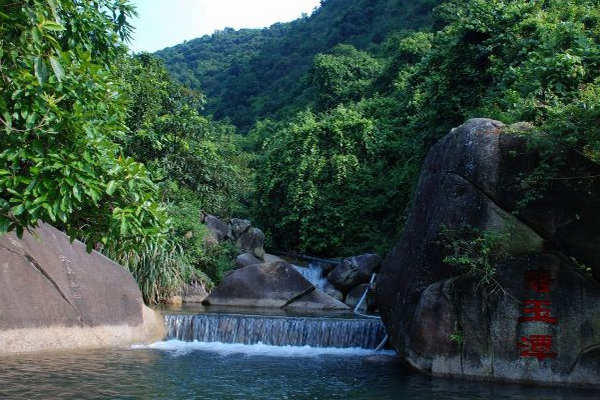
(353, 298)
(447, 323)
(245, 259)
(193, 293)
(354, 271)
(55, 295)
(272, 285)
(316, 300)
(237, 226)
(252, 241)
(217, 228)
(331, 290)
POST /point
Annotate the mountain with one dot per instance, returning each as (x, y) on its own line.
(250, 74)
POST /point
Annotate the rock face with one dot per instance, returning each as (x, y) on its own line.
(239, 231)
(54, 295)
(193, 293)
(354, 271)
(252, 241)
(217, 228)
(333, 292)
(272, 285)
(446, 323)
(243, 260)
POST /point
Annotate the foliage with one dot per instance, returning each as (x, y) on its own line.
(252, 74)
(316, 181)
(474, 253)
(180, 146)
(60, 116)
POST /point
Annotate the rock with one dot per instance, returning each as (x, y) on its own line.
(489, 329)
(54, 295)
(252, 241)
(271, 285)
(354, 296)
(269, 258)
(447, 324)
(217, 228)
(354, 271)
(330, 290)
(237, 227)
(193, 293)
(175, 300)
(327, 267)
(315, 300)
(243, 260)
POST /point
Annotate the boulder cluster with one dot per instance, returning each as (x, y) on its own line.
(265, 280)
(349, 280)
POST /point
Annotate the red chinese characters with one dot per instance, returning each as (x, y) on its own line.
(538, 346)
(539, 281)
(537, 312)
(534, 310)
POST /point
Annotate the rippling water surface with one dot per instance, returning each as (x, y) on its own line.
(180, 370)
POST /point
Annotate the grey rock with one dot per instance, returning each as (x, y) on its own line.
(56, 295)
(333, 292)
(217, 228)
(272, 285)
(243, 260)
(193, 293)
(252, 241)
(471, 177)
(354, 271)
(315, 300)
(237, 227)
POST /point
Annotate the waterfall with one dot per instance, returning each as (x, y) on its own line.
(314, 274)
(276, 331)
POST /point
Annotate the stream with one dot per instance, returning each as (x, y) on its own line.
(242, 354)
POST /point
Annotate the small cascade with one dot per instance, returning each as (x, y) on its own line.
(314, 274)
(276, 331)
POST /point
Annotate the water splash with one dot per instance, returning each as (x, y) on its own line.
(276, 331)
(314, 274)
(179, 347)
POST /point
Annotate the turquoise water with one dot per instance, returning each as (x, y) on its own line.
(180, 370)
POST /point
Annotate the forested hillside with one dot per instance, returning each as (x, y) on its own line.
(250, 74)
(340, 108)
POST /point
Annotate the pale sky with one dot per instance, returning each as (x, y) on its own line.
(165, 23)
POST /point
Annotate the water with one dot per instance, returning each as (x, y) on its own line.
(239, 363)
(278, 331)
(314, 274)
(177, 373)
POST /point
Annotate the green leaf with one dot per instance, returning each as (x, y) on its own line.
(111, 187)
(57, 68)
(36, 33)
(4, 224)
(53, 26)
(37, 146)
(40, 69)
(18, 210)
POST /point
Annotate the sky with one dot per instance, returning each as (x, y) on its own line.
(165, 23)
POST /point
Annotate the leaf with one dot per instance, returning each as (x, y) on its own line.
(40, 69)
(36, 33)
(53, 26)
(4, 224)
(111, 187)
(18, 210)
(37, 146)
(57, 68)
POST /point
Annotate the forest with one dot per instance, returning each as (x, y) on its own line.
(314, 129)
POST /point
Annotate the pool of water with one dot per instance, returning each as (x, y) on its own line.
(186, 370)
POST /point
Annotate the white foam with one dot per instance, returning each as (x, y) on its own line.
(259, 349)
